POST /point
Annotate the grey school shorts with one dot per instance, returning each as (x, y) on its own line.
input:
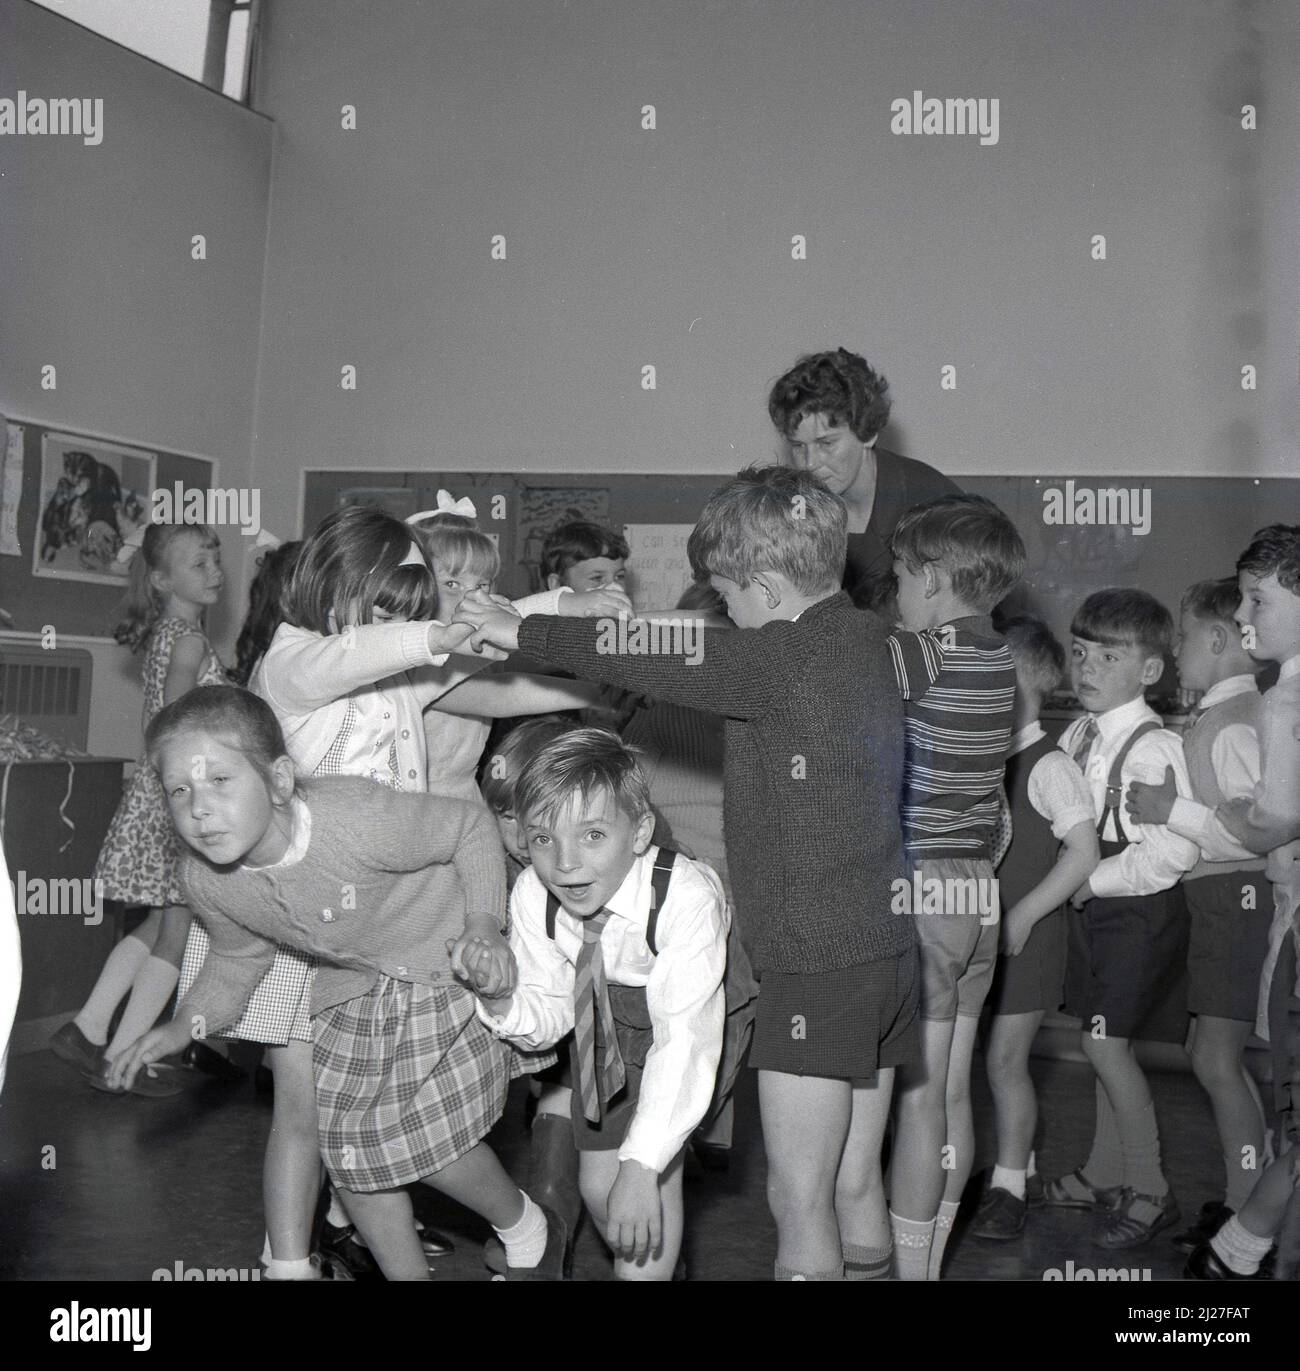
(958, 943)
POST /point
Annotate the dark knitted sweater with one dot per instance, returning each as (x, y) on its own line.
(814, 766)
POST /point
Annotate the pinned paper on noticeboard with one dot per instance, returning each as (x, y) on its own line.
(658, 568)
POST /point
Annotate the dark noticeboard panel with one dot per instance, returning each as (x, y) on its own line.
(1180, 529)
(72, 605)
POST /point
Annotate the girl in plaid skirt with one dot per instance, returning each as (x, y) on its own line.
(388, 893)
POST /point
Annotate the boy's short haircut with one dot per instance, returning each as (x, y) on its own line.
(772, 519)
(839, 386)
(582, 762)
(1125, 618)
(580, 541)
(1274, 551)
(970, 538)
(1213, 602)
(513, 753)
(1038, 655)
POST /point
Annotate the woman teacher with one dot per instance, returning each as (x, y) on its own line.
(830, 408)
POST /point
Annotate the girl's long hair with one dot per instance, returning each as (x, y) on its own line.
(264, 612)
(142, 604)
(355, 561)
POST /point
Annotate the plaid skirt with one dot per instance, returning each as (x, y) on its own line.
(408, 1079)
(279, 1009)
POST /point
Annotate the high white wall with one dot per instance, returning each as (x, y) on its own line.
(673, 247)
(97, 279)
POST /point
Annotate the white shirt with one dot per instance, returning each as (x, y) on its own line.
(1056, 786)
(1234, 755)
(683, 985)
(1155, 857)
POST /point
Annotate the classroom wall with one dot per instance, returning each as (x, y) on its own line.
(673, 248)
(96, 278)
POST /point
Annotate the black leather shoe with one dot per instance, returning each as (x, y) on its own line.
(340, 1247)
(1000, 1218)
(1214, 1214)
(1205, 1264)
(435, 1244)
(200, 1057)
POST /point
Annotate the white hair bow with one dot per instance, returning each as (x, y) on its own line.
(446, 505)
(131, 544)
(266, 540)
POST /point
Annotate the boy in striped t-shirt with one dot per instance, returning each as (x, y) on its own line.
(954, 559)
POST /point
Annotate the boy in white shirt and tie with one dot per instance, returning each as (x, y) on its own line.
(1128, 923)
(625, 944)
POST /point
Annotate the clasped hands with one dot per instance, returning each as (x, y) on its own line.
(494, 622)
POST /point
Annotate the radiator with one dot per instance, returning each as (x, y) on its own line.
(48, 690)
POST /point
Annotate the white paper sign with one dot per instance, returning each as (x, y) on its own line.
(11, 489)
(658, 568)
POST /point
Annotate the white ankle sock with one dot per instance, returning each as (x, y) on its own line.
(1238, 1248)
(942, 1232)
(913, 1239)
(302, 1270)
(525, 1241)
(1013, 1182)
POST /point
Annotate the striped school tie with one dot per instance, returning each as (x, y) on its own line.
(1083, 747)
(591, 1001)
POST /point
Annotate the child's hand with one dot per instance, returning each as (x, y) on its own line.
(493, 630)
(1082, 895)
(607, 603)
(484, 964)
(1016, 928)
(150, 1047)
(635, 1213)
(1152, 804)
(456, 638)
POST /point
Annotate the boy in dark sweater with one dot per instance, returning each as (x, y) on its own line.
(812, 778)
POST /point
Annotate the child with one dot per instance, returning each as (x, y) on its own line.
(387, 892)
(813, 729)
(264, 613)
(508, 759)
(456, 729)
(348, 672)
(1267, 821)
(1128, 924)
(624, 945)
(682, 760)
(175, 576)
(955, 557)
(1226, 890)
(584, 556)
(1053, 851)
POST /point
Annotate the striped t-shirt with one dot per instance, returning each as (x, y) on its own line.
(958, 684)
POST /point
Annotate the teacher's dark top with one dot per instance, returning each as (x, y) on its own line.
(900, 484)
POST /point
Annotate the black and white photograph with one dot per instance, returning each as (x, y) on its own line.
(651, 641)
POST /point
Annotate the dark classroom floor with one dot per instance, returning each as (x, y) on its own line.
(141, 1184)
